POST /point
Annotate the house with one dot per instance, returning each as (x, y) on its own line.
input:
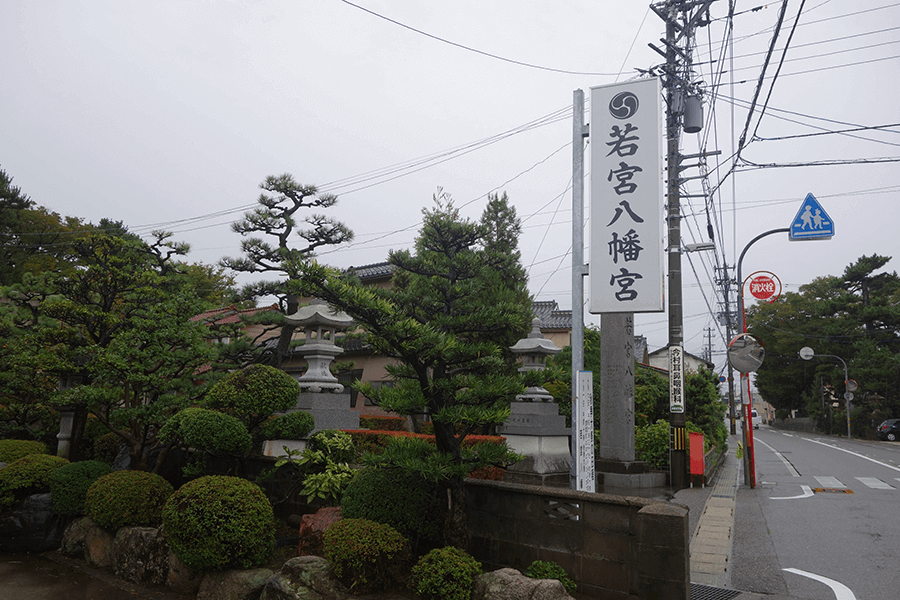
(660, 360)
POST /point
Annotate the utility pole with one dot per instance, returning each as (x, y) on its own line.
(681, 17)
(728, 316)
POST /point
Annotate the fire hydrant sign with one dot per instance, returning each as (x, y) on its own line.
(764, 286)
(626, 272)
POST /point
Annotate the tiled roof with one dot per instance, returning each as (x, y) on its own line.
(380, 270)
(551, 316)
(230, 314)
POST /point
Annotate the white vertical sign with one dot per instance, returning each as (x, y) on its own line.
(626, 259)
(676, 379)
(583, 424)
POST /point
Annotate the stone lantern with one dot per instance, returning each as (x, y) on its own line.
(321, 324)
(535, 428)
(321, 394)
(535, 349)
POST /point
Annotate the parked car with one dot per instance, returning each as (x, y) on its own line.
(889, 430)
(755, 418)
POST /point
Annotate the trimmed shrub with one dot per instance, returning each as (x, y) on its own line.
(127, 499)
(651, 442)
(218, 522)
(93, 430)
(366, 556)
(542, 569)
(26, 476)
(13, 450)
(294, 425)
(445, 574)
(254, 393)
(208, 430)
(106, 447)
(394, 497)
(69, 485)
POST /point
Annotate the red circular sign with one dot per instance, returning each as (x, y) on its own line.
(763, 287)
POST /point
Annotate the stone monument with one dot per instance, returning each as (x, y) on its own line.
(616, 466)
(535, 428)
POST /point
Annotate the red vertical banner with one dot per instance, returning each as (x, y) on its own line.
(696, 445)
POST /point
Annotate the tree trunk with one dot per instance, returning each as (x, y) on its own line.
(455, 520)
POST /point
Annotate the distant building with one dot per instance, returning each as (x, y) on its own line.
(660, 360)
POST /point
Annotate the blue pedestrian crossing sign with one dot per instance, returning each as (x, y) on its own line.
(811, 222)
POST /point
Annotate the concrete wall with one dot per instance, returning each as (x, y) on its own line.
(614, 547)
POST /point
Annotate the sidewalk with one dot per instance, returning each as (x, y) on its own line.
(712, 526)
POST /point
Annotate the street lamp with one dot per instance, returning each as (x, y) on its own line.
(807, 353)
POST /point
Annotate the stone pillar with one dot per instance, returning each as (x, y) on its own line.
(617, 387)
(66, 427)
(616, 466)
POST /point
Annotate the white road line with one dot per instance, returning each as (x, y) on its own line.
(830, 482)
(875, 483)
(877, 462)
(807, 493)
(787, 463)
(841, 591)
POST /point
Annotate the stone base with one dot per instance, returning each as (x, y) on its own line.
(330, 411)
(621, 466)
(275, 448)
(624, 481)
(544, 454)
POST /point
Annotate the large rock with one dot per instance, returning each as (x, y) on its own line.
(73, 538)
(32, 527)
(98, 547)
(233, 585)
(312, 529)
(141, 555)
(181, 578)
(509, 584)
(304, 578)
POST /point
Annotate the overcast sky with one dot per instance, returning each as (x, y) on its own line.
(168, 114)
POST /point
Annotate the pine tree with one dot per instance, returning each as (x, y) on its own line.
(457, 303)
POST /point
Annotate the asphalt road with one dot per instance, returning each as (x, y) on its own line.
(823, 519)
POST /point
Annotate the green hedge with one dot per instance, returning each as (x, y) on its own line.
(218, 522)
(394, 497)
(26, 476)
(209, 430)
(445, 574)
(253, 394)
(543, 569)
(69, 485)
(12, 450)
(127, 499)
(367, 556)
(294, 425)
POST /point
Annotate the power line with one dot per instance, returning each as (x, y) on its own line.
(475, 50)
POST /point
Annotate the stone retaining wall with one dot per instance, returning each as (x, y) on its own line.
(614, 547)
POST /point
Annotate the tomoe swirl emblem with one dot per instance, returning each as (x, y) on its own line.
(623, 105)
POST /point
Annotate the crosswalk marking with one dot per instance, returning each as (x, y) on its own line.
(829, 482)
(871, 482)
(875, 483)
